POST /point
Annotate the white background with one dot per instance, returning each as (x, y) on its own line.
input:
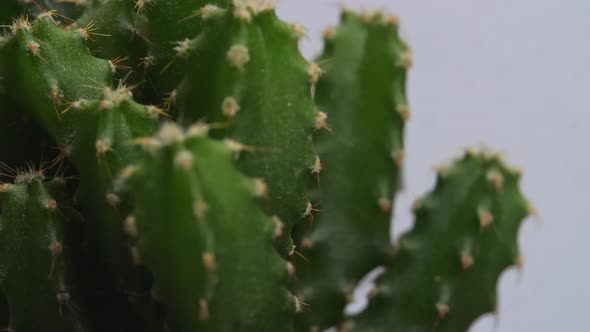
(515, 75)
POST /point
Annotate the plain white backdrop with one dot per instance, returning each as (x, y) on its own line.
(514, 75)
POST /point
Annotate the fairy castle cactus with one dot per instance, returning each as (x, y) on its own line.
(191, 180)
(183, 144)
(362, 92)
(44, 66)
(464, 236)
(245, 70)
(35, 265)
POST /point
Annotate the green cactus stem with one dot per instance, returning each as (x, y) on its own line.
(44, 68)
(117, 33)
(137, 37)
(101, 146)
(186, 16)
(35, 261)
(244, 71)
(362, 92)
(445, 272)
(201, 233)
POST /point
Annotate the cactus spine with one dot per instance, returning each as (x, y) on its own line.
(44, 67)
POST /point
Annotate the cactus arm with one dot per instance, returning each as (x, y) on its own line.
(445, 272)
(139, 35)
(209, 247)
(100, 146)
(246, 71)
(46, 67)
(35, 265)
(94, 126)
(117, 33)
(362, 86)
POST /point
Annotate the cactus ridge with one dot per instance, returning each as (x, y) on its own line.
(131, 35)
(100, 146)
(445, 270)
(191, 202)
(46, 67)
(35, 262)
(244, 71)
(94, 126)
(361, 92)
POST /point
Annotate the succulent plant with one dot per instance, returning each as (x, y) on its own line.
(179, 166)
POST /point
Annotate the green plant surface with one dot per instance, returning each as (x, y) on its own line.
(44, 68)
(35, 266)
(100, 146)
(202, 235)
(446, 269)
(245, 73)
(138, 39)
(264, 214)
(186, 16)
(362, 91)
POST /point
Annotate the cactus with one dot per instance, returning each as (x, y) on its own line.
(206, 284)
(150, 227)
(100, 148)
(44, 67)
(244, 70)
(91, 125)
(445, 270)
(130, 34)
(35, 262)
(362, 92)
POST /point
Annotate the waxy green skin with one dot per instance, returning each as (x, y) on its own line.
(34, 278)
(46, 68)
(101, 145)
(118, 33)
(276, 116)
(142, 35)
(191, 203)
(164, 75)
(81, 127)
(362, 86)
(445, 272)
